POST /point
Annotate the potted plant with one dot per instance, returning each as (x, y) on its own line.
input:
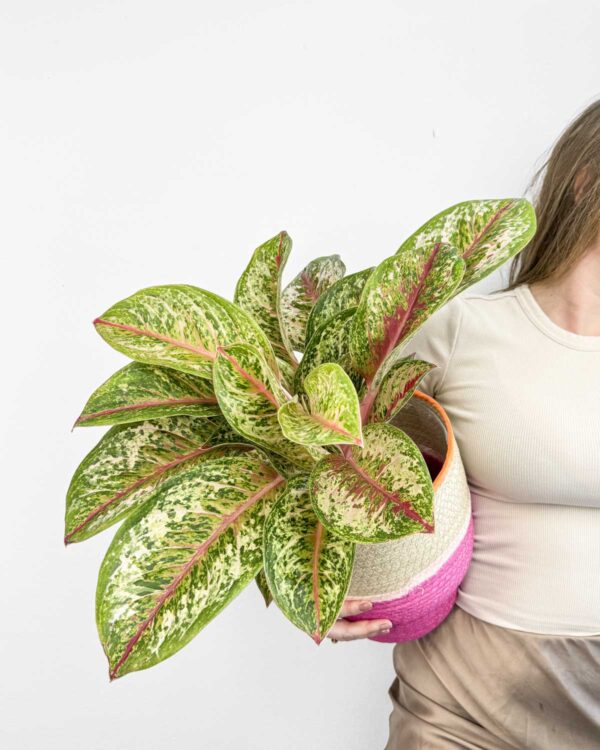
(229, 458)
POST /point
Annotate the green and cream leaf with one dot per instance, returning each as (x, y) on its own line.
(486, 233)
(263, 587)
(333, 414)
(225, 436)
(258, 291)
(397, 386)
(127, 465)
(179, 326)
(287, 373)
(307, 567)
(301, 294)
(175, 564)
(330, 343)
(343, 295)
(138, 391)
(403, 291)
(380, 492)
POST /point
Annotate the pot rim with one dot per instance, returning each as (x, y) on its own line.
(449, 431)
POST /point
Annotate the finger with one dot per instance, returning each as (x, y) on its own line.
(351, 631)
(355, 607)
(343, 630)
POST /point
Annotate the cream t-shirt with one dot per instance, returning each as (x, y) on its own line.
(523, 396)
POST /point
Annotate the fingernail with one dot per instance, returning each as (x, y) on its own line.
(387, 630)
(388, 626)
(365, 606)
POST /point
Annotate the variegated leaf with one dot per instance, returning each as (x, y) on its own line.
(287, 373)
(128, 463)
(403, 291)
(138, 391)
(380, 492)
(301, 294)
(307, 567)
(176, 563)
(263, 587)
(330, 343)
(250, 396)
(343, 295)
(224, 434)
(258, 291)
(285, 466)
(178, 326)
(333, 414)
(486, 233)
(397, 386)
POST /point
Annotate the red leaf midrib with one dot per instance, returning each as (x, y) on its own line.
(335, 427)
(191, 401)
(196, 557)
(159, 336)
(496, 217)
(259, 386)
(391, 497)
(396, 326)
(135, 485)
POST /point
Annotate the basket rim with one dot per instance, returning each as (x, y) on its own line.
(450, 432)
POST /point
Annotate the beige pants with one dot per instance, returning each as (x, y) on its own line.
(471, 684)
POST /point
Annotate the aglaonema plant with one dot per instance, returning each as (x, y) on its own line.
(252, 439)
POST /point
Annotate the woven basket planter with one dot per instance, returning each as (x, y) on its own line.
(413, 581)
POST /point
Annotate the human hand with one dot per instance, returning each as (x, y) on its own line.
(345, 630)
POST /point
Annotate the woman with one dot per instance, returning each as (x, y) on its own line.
(516, 664)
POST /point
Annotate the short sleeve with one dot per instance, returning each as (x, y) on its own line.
(435, 341)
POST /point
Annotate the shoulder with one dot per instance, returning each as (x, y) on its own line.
(501, 296)
(448, 315)
(467, 314)
(472, 320)
(482, 310)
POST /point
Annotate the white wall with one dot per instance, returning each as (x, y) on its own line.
(144, 143)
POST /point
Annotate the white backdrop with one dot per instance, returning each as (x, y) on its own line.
(146, 143)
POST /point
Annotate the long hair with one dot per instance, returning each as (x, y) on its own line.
(567, 223)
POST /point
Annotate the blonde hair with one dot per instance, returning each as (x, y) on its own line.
(567, 224)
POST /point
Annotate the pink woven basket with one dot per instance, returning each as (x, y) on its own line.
(413, 581)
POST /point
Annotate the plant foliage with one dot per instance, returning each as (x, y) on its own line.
(230, 460)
